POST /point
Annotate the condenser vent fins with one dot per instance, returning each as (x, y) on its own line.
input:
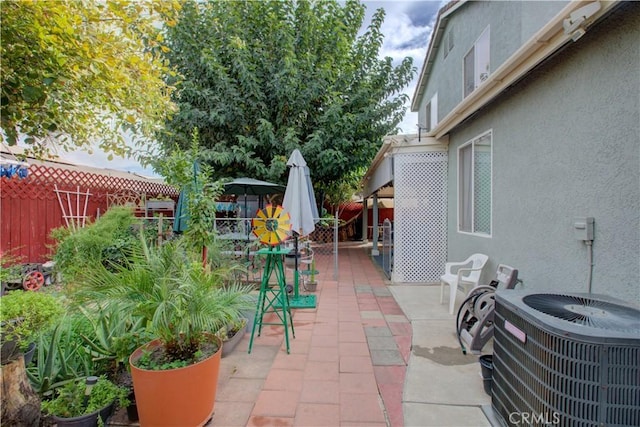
(586, 311)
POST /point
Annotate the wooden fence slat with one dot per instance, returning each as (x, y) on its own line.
(29, 207)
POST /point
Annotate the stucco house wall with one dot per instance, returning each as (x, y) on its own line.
(566, 143)
(511, 24)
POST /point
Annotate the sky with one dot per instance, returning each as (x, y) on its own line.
(407, 29)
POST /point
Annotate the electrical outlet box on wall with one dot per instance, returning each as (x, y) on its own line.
(583, 227)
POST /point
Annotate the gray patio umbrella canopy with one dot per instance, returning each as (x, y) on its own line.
(299, 199)
(300, 202)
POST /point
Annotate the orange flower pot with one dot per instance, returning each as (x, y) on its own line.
(181, 397)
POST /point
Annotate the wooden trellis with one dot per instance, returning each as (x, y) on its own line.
(67, 200)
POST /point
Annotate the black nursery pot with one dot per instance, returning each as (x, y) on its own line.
(88, 420)
(132, 409)
(486, 367)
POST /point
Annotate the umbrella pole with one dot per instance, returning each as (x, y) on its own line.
(295, 272)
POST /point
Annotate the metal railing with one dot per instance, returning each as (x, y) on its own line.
(237, 238)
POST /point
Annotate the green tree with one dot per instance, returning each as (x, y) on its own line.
(84, 71)
(261, 78)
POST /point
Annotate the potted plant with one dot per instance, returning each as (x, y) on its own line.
(80, 403)
(311, 284)
(232, 334)
(183, 303)
(113, 336)
(23, 317)
(10, 273)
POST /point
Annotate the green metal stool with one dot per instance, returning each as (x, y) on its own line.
(273, 297)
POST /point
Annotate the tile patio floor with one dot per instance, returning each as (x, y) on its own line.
(347, 362)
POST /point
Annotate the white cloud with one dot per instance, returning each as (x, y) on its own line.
(100, 159)
(407, 29)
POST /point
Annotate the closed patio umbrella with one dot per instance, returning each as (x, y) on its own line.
(181, 215)
(300, 202)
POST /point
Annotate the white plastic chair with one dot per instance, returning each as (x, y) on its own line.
(462, 276)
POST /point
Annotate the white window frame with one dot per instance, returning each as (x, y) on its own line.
(447, 43)
(431, 113)
(480, 58)
(427, 117)
(434, 111)
(470, 195)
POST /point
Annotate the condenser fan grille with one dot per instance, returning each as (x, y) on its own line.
(586, 311)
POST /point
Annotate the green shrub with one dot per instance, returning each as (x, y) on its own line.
(70, 400)
(10, 269)
(106, 241)
(25, 315)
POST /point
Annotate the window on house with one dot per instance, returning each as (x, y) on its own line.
(427, 117)
(431, 113)
(474, 185)
(447, 43)
(434, 111)
(476, 63)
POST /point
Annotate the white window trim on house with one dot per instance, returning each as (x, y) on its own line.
(479, 57)
(469, 179)
(447, 44)
(431, 113)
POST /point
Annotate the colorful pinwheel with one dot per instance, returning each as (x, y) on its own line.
(271, 226)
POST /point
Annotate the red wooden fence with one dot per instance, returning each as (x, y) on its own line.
(29, 207)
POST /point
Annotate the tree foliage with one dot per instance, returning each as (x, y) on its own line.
(261, 78)
(84, 71)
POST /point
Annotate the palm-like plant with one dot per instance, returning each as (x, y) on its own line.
(180, 299)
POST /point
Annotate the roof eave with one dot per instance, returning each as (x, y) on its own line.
(548, 40)
(434, 43)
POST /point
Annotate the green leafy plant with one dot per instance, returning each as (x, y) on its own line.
(180, 300)
(185, 170)
(71, 399)
(62, 356)
(107, 240)
(231, 329)
(26, 315)
(114, 335)
(10, 270)
(277, 75)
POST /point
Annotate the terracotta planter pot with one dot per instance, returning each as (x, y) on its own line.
(175, 397)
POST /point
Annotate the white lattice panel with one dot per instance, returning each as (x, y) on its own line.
(420, 216)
